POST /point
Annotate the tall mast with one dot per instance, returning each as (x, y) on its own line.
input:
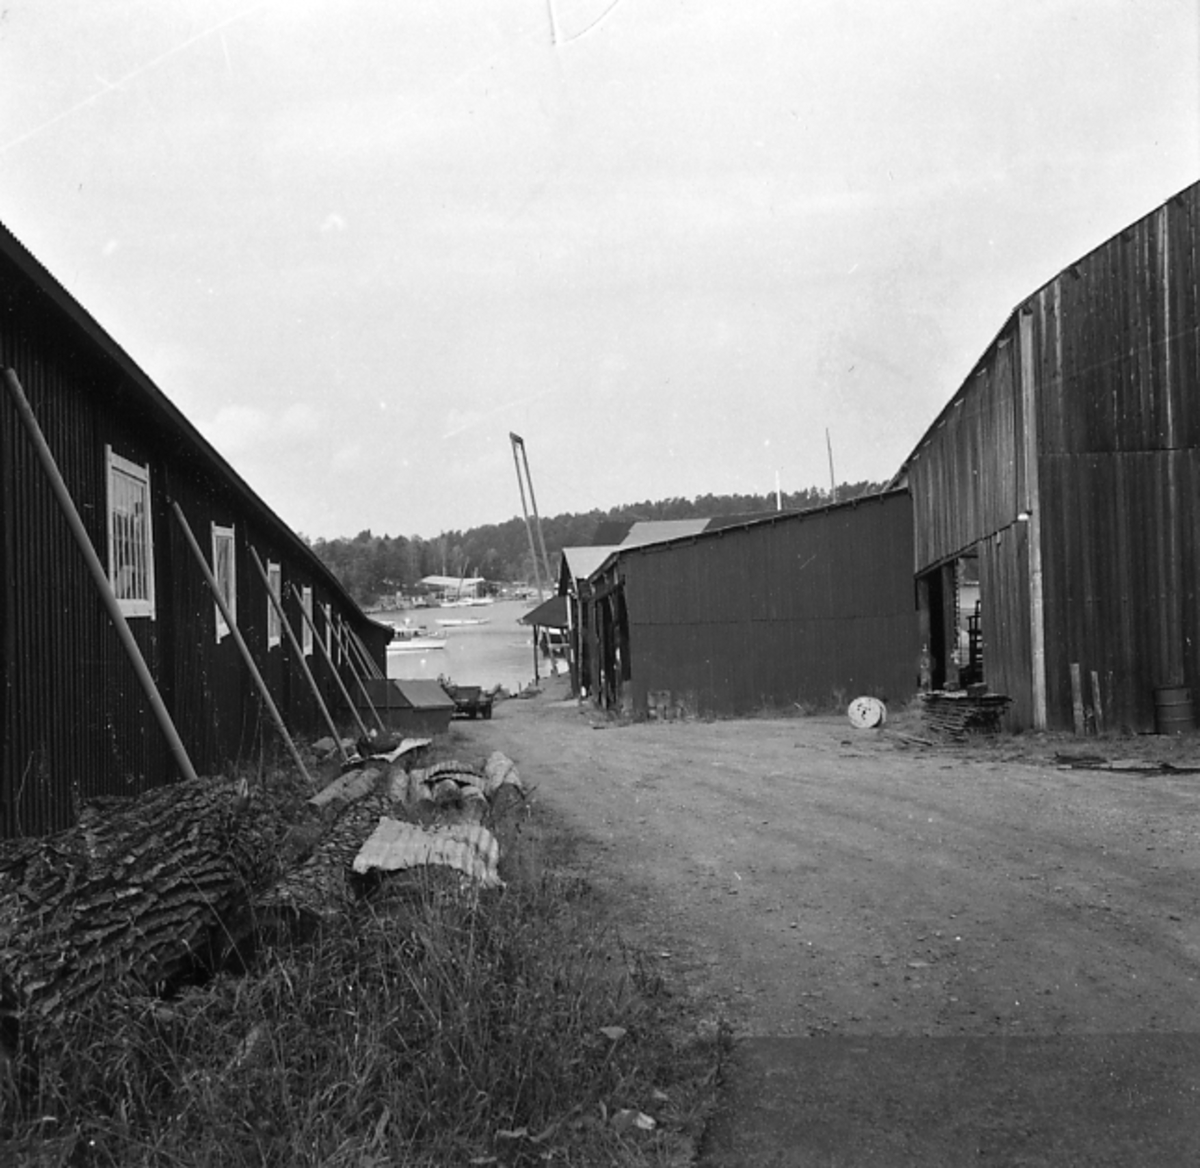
(518, 444)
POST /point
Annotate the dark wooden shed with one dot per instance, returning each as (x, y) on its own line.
(408, 706)
(805, 608)
(1057, 491)
(76, 723)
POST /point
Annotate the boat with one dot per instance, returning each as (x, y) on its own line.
(457, 622)
(409, 638)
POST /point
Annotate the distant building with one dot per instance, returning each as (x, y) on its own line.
(454, 587)
(76, 723)
(804, 609)
(1058, 490)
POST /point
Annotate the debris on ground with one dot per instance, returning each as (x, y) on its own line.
(467, 848)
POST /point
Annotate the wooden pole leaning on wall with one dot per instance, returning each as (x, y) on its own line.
(354, 649)
(239, 640)
(370, 665)
(354, 672)
(320, 643)
(59, 487)
(277, 604)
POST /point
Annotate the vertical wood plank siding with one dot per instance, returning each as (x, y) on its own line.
(968, 480)
(75, 721)
(812, 609)
(1116, 365)
(1007, 650)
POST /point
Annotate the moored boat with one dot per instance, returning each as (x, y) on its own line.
(408, 638)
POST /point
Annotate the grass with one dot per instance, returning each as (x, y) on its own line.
(433, 1025)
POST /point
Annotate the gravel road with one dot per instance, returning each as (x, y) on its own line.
(815, 881)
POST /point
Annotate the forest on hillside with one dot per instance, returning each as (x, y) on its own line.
(375, 567)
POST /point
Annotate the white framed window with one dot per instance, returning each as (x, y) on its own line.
(306, 632)
(130, 535)
(274, 624)
(224, 568)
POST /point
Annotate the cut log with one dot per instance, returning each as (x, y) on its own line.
(131, 893)
(141, 892)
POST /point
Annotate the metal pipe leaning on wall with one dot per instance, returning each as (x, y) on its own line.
(277, 604)
(107, 595)
(243, 648)
(320, 643)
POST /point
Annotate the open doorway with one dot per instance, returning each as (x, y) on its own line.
(950, 609)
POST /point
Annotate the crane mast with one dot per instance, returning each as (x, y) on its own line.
(521, 461)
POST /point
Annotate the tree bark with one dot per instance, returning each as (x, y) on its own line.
(133, 892)
(141, 892)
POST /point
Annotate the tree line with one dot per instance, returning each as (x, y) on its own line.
(373, 568)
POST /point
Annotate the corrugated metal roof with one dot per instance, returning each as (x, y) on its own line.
(551, 614)
(423, 694)
(610, 531)
(657, 530)
(452, 581)
(582, 562)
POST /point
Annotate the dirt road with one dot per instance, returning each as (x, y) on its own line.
(821, 881)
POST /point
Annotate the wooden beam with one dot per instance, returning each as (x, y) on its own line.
(337, 677)
(99, 576)
(277, 604)
(243, 648)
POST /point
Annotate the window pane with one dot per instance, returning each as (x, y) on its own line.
(274, 627)
(306, 635)
(225, 575)
(131, 564)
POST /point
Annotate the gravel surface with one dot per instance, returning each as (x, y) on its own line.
(807, 879)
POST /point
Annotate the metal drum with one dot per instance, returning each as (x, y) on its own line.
(1173, 709)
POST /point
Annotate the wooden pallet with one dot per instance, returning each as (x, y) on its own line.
(955, 714)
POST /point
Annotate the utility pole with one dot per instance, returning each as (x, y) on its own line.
(518, 444)
(832, 479)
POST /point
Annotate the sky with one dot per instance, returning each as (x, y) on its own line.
(673, 244)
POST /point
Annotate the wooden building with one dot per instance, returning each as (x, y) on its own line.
(811, 608)
(76, 721)
(1062, 480)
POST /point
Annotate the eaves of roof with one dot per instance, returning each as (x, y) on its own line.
(709, 533)
(900, 475)
(161, 407)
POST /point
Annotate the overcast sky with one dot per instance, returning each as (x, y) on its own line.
(669, 242)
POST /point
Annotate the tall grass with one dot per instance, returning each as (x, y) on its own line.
(432, 1025)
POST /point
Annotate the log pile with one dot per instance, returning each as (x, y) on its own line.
(142, 891)
(134, 891)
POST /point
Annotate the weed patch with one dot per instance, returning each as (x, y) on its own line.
(434, 1024)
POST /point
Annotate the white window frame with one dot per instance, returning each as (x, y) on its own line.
(306, 631)
(274, 622)
(229, 584)
(120, 477)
